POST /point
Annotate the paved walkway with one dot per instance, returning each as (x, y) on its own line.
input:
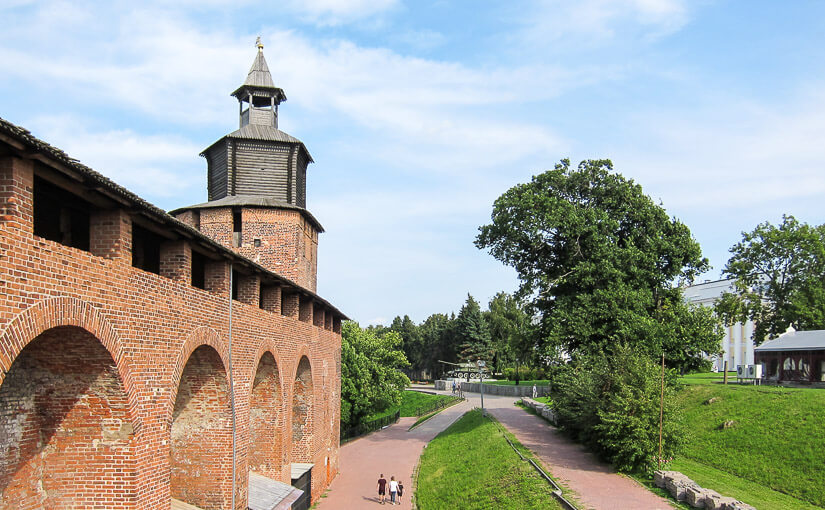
(393, 451)
(594, 483)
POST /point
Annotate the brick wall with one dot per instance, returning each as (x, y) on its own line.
(160, 346)
(288, 242)
(67, 439)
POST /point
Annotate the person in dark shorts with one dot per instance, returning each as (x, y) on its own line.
(400, 490)
(382, 488)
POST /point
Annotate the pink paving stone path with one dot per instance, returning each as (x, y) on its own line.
(393, 451)
(594, 483)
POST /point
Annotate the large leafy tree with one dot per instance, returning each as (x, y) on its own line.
(371, 380)
(779, 278)
(598, 259)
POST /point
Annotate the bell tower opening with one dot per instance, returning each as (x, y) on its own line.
(257, 185)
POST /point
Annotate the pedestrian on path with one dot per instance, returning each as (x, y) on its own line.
(382, 488)
(535, 391)
(460, 394)
(453, 386)
(393, 491)
(400, 491)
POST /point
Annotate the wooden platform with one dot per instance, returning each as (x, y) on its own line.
(180, 505)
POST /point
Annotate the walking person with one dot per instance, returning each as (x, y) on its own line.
(453, 386)
(535, 391)
(382, 488)
(393, 490)
(400, 491)
(460, 394)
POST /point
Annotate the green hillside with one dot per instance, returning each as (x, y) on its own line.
(777, 438)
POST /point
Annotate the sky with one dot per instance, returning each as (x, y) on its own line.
(420, 113)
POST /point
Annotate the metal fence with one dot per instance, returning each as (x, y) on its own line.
(435, 406)
(369, 426)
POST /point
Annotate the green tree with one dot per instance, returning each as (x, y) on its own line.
(510, 332)
(610, 402)
(371, 377)
(597, 258)
(471, 332)
(411, 345)
(438, 340)
(778, 278)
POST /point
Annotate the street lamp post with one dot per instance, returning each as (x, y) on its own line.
(481, 365)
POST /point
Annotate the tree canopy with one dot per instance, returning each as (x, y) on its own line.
(778, 278)
(471, 333)
(510, 329)
(371, 380)
(599, 261)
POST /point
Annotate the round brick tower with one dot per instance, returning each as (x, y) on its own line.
(257, 186)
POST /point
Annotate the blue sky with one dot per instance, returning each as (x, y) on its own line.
(420, 113)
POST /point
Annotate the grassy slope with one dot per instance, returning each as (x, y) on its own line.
(777, 440)
(410, 401)
(471, 466)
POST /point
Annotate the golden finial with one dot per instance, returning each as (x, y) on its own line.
(259, 44)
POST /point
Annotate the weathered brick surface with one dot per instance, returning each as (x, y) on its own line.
(161, 352)
(287, 242)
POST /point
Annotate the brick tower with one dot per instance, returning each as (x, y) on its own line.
(257, 186)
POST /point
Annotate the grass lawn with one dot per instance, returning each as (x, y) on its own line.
(707, 378)
(410, 402)
(777, 441)
(542, 382)
(471, 466)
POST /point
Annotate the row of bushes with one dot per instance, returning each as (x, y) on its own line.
(524, 374)
(610, 403)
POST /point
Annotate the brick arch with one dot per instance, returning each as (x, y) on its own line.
(267, 417)
(68, 311)
(201, 335)
(65, 402)
(302, 411)
(200, 430)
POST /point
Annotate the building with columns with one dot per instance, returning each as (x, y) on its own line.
(150, 360)
(737, 345)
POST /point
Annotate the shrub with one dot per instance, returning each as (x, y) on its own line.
(525, 374)
(611, 404)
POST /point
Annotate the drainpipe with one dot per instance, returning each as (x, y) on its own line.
(231, 385)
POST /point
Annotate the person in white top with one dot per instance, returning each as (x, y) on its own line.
(393, 491)
(535, 391)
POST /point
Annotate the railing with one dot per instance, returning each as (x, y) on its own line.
(435, 406)
(369, 426)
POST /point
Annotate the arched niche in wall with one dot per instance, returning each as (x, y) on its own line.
(302, 407)
(265, 421)
(67, 438)
(200, 453)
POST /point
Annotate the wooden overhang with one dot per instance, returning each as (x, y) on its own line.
(56, 166)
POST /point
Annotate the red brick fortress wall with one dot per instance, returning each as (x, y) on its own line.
(114, 381)
(287, 244)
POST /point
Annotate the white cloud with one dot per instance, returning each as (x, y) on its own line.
(157, 165)
(338, 12)
(594, 23)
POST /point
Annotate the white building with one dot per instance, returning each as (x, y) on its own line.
(737, 345)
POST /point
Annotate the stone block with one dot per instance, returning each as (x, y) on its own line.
(677, 486)
(660, 477)
(695, 496)
(736, 505)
